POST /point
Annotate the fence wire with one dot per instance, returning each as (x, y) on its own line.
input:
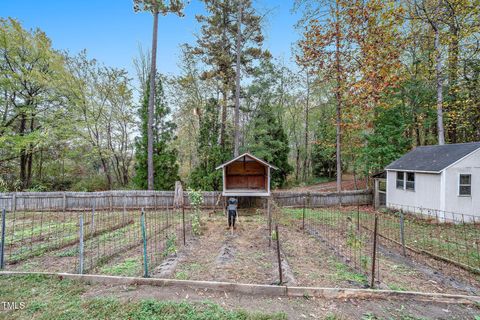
(89, 240)
(349, 235)
(446, 236)
(86, 241)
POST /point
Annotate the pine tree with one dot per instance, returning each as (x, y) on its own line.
(164, 156)
(218, 44)
(156, 7)
(387, 143)
(210, 153)
(270, 143)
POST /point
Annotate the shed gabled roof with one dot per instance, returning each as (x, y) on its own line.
(246, 154)
(433, 158)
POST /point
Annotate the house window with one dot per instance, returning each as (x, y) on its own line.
(400, 179)
(410, 181)
(465, 185)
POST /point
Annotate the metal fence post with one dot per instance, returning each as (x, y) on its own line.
(14, 205)
(269, 212)
(303, 214)
(144, 238)
(2, 247)
(183, 224)
(280, 272)
(402, 232)
(358, 217)
(92, 226)
(374, 253)
(80, 251)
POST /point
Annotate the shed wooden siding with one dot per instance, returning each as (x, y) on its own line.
(246, 175)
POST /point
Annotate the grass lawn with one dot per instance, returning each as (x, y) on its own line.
(48, 298)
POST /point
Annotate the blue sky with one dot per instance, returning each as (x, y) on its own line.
(111, 32)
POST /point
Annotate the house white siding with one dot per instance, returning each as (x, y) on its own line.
(453, 201)
(426, 194)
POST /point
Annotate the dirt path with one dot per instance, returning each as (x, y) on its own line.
(219, 255)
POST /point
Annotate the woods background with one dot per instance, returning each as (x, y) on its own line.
(371, 80)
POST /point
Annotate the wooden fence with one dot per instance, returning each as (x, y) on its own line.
(131, 200)
(318, 199)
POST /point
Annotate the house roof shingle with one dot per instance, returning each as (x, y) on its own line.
(433, 158)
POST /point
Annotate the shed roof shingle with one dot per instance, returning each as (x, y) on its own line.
(433, 158)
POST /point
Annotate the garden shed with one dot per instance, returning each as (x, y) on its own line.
(246, 176)
(439, 177)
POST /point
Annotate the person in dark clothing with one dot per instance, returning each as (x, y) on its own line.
(232, 212)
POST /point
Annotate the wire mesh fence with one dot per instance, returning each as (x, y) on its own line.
(88, 241)
(83, 242)
(354, 233)
(349, 235)
(446, 236)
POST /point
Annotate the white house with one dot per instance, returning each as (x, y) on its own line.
(442, 178)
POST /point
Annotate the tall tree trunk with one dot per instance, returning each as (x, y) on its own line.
(151, 104)
(40, 165)
(307, 112)
(29, 161)
(105, 167)
(338, 98)
(223, 123)
(237, 82)
(453, 53)
(23, 153)
(438, 61)
(297, 164)
(225, 80)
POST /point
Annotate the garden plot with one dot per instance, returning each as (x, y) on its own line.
(317, 255)
(220, 255)
(336, 228)
(312, 264)
(112, 241)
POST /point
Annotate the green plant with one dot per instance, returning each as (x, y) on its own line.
(130, 267)
(196, 225)
(354, 241)
(196, 200)
(3, 186)
(181, 275)
(274, 235)
(395, 287)
(72, 252)
(343, 273)
(170, 245)
(364, 262)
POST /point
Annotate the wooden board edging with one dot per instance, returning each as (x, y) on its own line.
(264, 290)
